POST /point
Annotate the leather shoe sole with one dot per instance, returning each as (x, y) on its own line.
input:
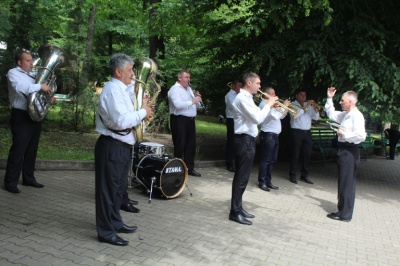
(239, 219)
(127, 229)
(336, 217)
(34, 184)
(129, 208)
(264, 187)
(14, 190)
(133, 202)
(306, 179)
(247, 215)
(116, 240)
(272, 186)
(193, 173)
(231, 169)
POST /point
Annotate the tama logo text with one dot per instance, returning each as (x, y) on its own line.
(173, 170)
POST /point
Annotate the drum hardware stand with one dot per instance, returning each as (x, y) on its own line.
(153, 179)
(186, 185)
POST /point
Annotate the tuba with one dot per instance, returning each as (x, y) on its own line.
(144, 68)
(39, 102)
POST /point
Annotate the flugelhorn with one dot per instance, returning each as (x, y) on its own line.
(280, 104)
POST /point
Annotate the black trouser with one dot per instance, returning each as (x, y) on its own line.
(269, 144)
(301, 146)
(112, 161)
(22, 155)
(348, 161)
(135, 154)
(245, 148)
(230, 139)
(183, 130)
(394, 137)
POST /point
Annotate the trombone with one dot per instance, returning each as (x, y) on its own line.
(287, 109)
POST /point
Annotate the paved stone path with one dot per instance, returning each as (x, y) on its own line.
(55, 225)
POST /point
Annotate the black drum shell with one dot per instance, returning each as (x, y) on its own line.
(170, 175)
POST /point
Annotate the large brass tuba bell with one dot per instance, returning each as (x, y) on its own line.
(144, 68)
(52, 57)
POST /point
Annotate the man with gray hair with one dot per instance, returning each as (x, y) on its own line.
(350, 134)
(115, 119)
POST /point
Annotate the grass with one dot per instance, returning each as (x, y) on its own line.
(60, 145)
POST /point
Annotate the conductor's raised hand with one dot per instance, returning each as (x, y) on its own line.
(331, 92)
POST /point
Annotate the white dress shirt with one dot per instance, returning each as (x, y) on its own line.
(352, 121)
(273, 121)
(229, 97)
(303, 119)
(180, 101)
(20, 85)
(247, 115)
(117, 111)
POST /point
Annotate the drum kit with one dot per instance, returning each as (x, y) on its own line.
(152, 168)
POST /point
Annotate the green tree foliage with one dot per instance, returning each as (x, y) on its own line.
(312, 44)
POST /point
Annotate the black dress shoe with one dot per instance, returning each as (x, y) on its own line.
(14, 190)
(306, 179)
(247, 215)
(264, 187)
(231, 169)
(239, 219)
(127, 229)
(34, 184)
(116, 240)
(192, 172)
(271, 186)
(129, 208)
(133, 202)
(293, 180)
(336, 217)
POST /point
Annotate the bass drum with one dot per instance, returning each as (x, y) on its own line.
(169, 175)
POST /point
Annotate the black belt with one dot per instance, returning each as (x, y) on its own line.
(118, 142)
(300, 129)
(347, 144)
(182, 116)
(243, 135)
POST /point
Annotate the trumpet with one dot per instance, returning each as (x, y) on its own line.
(287, 109)
(304, 108)
(230, 84)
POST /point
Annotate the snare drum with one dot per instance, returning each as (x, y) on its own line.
(146, 148)
(170, 174)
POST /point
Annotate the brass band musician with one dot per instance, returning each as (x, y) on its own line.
(301, 136)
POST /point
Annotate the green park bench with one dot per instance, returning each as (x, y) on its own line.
(322, 143)
(369, 143)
